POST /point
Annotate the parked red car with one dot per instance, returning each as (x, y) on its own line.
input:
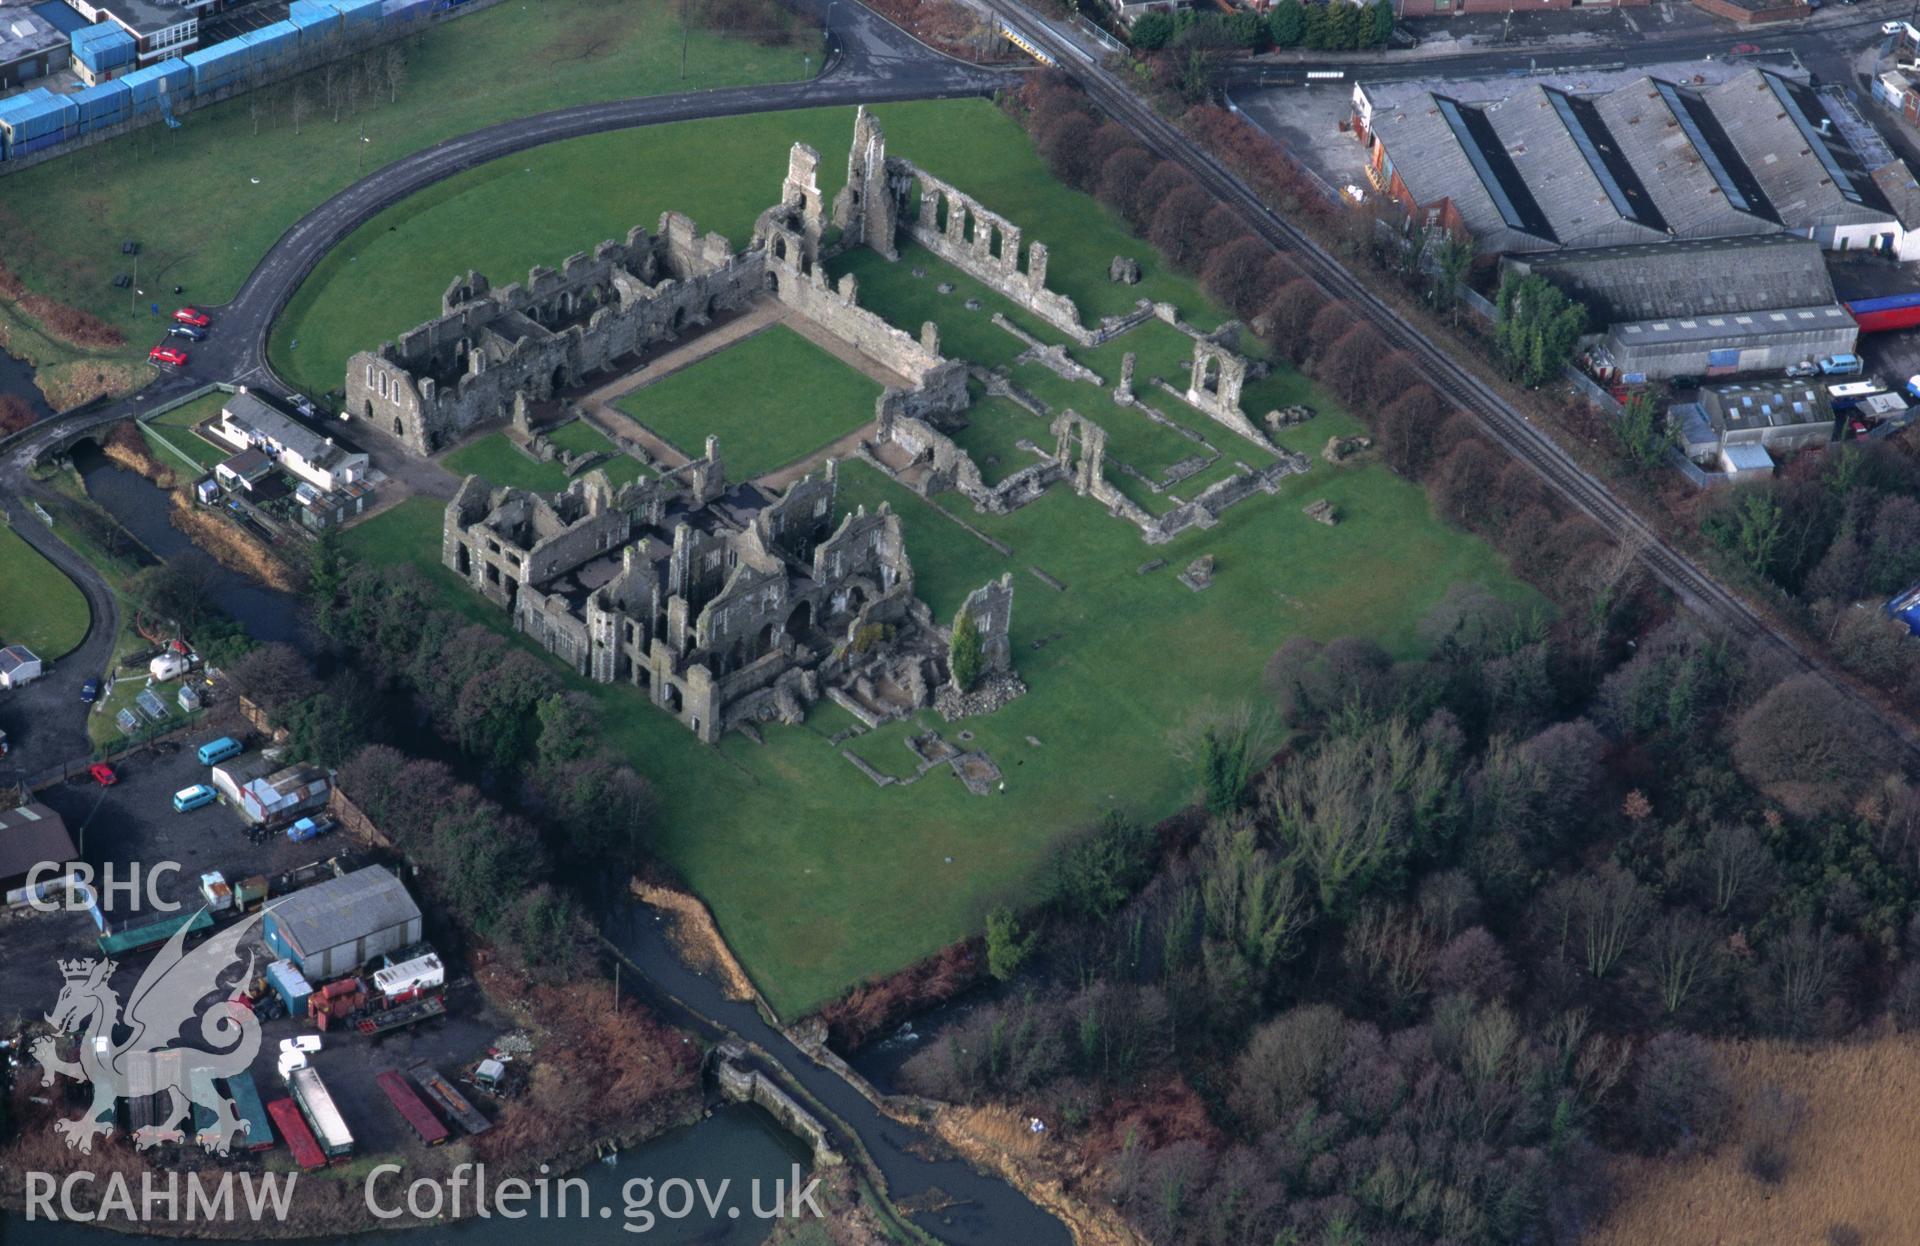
(103, 774)
(170, 356)
(193, 316)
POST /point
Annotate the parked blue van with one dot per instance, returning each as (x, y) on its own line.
(190, 798)
(214, 752)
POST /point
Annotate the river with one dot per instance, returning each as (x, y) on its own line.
(974, 1209)
(977, 1209)
(16, 378)
(143, 509)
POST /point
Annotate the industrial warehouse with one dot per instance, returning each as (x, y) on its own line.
(1703, 307)
(1704, 149)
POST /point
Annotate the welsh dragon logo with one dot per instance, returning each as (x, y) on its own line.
(169, 995)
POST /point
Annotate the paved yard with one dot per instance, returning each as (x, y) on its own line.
(133, 823)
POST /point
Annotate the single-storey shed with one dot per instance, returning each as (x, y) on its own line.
(335, 927)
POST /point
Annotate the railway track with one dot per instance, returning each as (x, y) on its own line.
(1672, 568)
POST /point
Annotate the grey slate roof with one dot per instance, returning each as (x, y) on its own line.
(29, 836)
(1690, 277)
(343, 909)
(1735, 329)
(13, 657)
(282, 429)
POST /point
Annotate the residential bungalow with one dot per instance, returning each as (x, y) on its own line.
(244, 470)
(18, 666)
(246, 422)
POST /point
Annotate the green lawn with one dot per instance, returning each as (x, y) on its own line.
(543, 205)
(495, 460)
(817, 877)
(39, 606)
(172, 438)
(206, 200)
(581, 437)
(820, 879)
(995, 428)
(771, 399)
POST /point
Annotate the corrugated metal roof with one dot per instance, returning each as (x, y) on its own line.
(1689, 277)
(343, 909)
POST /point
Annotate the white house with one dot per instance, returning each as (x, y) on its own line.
(248, 423)
(18, 666)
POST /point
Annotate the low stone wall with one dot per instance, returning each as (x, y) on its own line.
(742, 1084)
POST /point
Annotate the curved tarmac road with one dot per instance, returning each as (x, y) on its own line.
(873, 62)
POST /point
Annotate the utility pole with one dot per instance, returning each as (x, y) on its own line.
(685, 34)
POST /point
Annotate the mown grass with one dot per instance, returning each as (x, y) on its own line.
(819, 879)
(39, 606)
(543, 205)
(207, 200)
(495, 460)
(172, 438)
(771, 399)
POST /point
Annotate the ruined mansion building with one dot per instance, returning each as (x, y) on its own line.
(728, 605)
(736, 602)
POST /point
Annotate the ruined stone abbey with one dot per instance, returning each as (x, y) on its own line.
(731, 602)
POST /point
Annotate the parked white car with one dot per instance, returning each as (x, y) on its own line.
(1892, 28)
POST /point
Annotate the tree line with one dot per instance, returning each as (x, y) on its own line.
(1476, 926)
(556, 808)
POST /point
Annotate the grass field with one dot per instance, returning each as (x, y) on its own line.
(39, 607)
(172, 438)
(820, 879)
(581, 437)
(206, 201)
(771, 399)
(543, 205)
(1846, 1164)
(817, 877)
(494, 459)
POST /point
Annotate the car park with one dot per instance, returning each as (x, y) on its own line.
(168, 356)
(188, 799)
(193, 316)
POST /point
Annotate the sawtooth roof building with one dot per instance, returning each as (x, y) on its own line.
(1700, 150)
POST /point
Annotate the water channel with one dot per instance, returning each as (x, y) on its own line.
(965, 1207)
